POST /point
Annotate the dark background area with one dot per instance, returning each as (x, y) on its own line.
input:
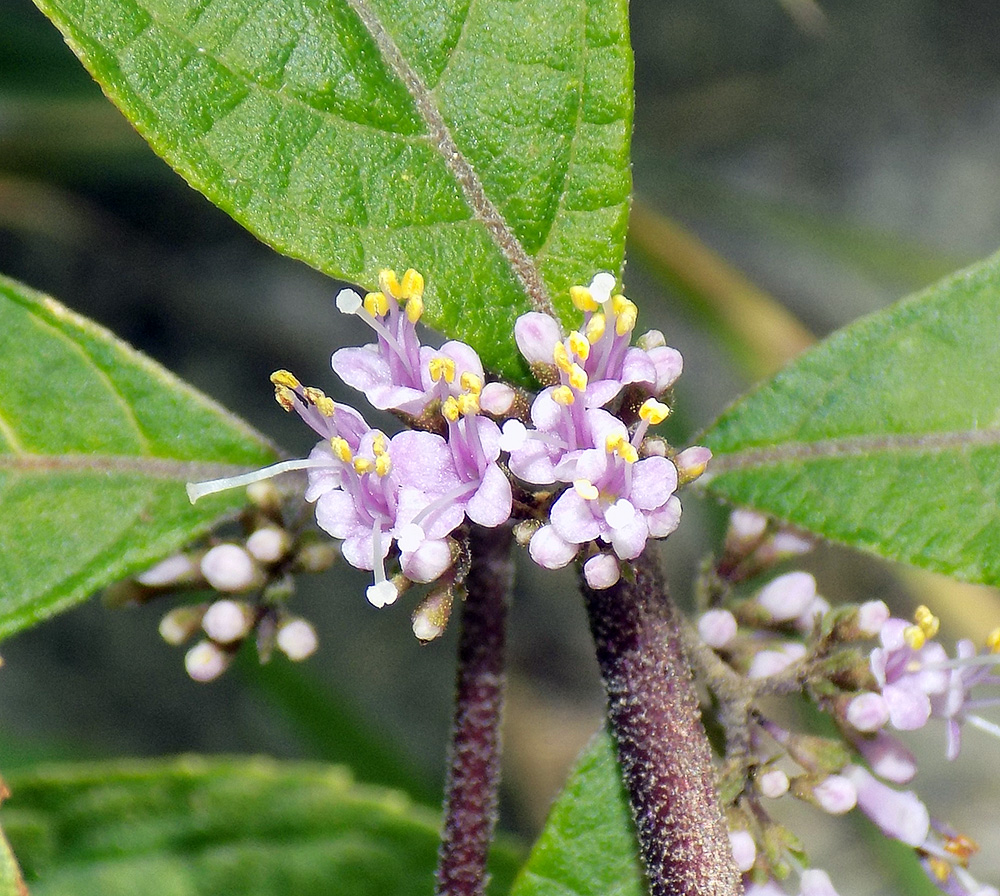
(840, 162)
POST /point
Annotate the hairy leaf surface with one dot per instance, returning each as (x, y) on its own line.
(96, 443)
(886, 436)
(485, 144)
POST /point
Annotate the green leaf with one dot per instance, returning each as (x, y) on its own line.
(886, 436)
(96, 443)
(485, 144)
(588, 845)
(248, 827)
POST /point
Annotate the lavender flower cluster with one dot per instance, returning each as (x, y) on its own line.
(588, 478)
(871, 673)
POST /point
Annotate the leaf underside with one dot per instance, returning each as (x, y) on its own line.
(247, 827)
(885, 437)
(484, 144)
(96, 443)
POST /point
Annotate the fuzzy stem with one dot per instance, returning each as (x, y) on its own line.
(474, 756)
(664, 754)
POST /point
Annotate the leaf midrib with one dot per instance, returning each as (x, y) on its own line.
(850, 447)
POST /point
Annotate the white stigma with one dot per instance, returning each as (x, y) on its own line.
(410, 537)
(513, 435)
(349, 302)
(381, 594)
(619, 514)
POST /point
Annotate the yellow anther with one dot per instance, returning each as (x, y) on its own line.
(654, 411)
(442, 368)
(625, 314)
(563, 395)
(561, 357)
(627, 453)
(341, 449)
(379, 445)
(940, 868)
(595, 328)
(383, 464)
(914, 637)
(582, 298)
(928, 622)
(285, 397)
(579, 345)
(320, 400)
(376, 304)
(412, 286)
(577, 377)
(586, 489)
(450, 409)
(993, 641)
(387, 282)
(612, 442)
(468, 403)
(618, 444)
(472, 383)
(414, 308)
(284, 378)
(363, 465)
(961, 847)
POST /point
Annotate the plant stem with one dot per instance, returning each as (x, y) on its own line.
(474, 755)
(664, 754)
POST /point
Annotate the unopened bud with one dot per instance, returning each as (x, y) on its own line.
(229, 568)
(867, 712)
(651, 339)
(175, 570)
(269, 544)
(744, 849)
(497, 398)
(524, 530)
(717, 628)
(691, 463)
(602, 571)
(316, 556)
(206, 661)
(297, 639)
(264, 495)
(430, 618)
(181, 623)
(773, 783)
(228, 621)
(788, 596)
(835, 794)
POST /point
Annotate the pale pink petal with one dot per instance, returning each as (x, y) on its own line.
(600, 392)
(638, 367)
(428, 562)
(629, 540)
(490, 505)
(337, 515)
(573, 518)
(532, 463)
(548, 550)
(654, 480)
(668, 363)
(536, 335)
(665, 519)
(365, 369)
(359, 551)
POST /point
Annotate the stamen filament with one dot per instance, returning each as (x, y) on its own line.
(198, 490)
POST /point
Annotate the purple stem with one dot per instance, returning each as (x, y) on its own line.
(474, 756)
(663, 752)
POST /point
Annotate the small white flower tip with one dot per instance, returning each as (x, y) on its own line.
(601, 571)
(867, 712)
(180, 624)
(513, 435)
(717, 628)
(269, 544)
(692, 462)
(297, 639)
(816, 883)
(602, 286)
(620, 514)
(872, 615)
(788, 596)
(349, 302)
(173, 570)
(227, 621)
(410, 537)
(229, 568)
(206, 661)
(496, 398)
(744, 849)
(381, 594)
(836, 795)
(773, 783)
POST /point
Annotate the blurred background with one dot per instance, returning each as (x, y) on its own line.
(795, 165)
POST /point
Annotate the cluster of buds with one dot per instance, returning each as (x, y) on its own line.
(254, 575)
(869, 671)
(576, 467)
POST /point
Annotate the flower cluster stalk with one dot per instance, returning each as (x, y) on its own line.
(474, 754)
(662, 748)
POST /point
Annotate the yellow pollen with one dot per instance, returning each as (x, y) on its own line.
(387, 282)
(595, 328)
(284, 378)
(363, 465)
(993, 640)
(376, 304)
(563, 395)
(586, 489)
(285, 397)
(468, 404)
(612, 442)
(414, 308)
(654, 411)
(412, 286)
(962, 847)
(378, 445)
(928, 622)
(625, 314)
(450, 409)
(442, 368)
(582, 298)
(319, 400)
(472, 383)
(577, 377)
(579, 345)
(627, 452)
(383, 464)
(914, 637)
(561, 357)
(341, 449)
(939, 868)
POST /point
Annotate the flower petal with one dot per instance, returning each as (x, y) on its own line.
(654, 480)
(574, 520)
(548, 550)
(490, 505)
(536, 335)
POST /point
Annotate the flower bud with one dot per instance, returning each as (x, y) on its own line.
(229, 568)
(269, 544)
(835, 795)
(691, 463)
(773, 783)
(297, 639)
(717, 628)
(206, 661)
(788, 596)
(228, 621)
(867, 712)
(430, 618)
(744, 850)
(773, 662)
(816, 883)
(602, 571)
(181, 623)
(175, 570)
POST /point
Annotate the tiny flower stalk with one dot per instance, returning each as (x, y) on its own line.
(662, 748)
(474, 753)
